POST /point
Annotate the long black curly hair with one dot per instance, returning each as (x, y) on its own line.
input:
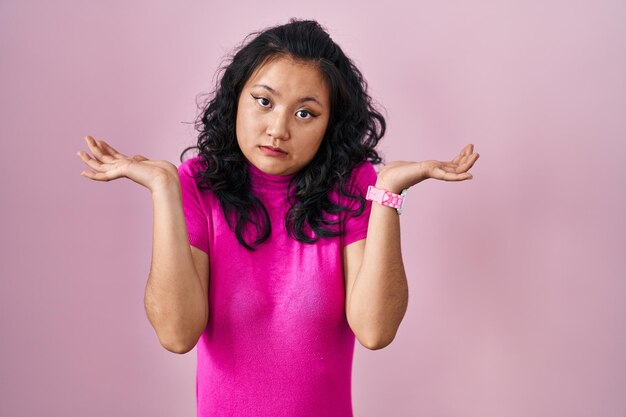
(354, 129)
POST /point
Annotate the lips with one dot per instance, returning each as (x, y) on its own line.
(273, 149)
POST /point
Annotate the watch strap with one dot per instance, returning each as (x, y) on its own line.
(386, 198)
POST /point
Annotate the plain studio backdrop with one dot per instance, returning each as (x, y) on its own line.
(516, 277)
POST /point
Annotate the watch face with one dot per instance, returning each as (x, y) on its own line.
(402, 200)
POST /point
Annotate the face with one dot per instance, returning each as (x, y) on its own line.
(282, 115)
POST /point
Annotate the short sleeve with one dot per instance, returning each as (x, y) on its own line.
(355, 229)
(195, 214)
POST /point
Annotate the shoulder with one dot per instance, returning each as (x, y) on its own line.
(190, 173)
(191, 166)
(363, 174)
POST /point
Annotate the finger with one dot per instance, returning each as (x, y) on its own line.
(471, 161)
(451, 176)
(454, 168)
(467, 162)
(457, 160)
(106, 154)
(113, 151)
(98, 176)
(465, 152)
(95, 149)
(94, 164)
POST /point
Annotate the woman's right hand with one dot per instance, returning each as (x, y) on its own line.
(110, 164)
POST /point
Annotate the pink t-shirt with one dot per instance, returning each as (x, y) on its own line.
(277, 342)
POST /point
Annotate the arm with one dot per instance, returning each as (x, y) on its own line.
(376, 284)
(176, 300)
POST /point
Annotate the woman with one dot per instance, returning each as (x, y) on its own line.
(266, 254)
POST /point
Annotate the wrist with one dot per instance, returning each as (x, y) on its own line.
(382, 184)
(386, 197)
(166, 186)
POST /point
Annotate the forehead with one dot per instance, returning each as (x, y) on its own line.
(290, 78)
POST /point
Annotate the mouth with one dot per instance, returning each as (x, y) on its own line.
(273, 150)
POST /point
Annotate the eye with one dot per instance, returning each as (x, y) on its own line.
(306, 113)
(262, 101)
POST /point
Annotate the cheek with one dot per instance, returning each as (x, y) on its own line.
(321, 132)
(245, 126)
(314, 145)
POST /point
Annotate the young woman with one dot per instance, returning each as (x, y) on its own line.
(268, 254)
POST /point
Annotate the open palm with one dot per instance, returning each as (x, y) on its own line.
(110, 164)
(398, 175)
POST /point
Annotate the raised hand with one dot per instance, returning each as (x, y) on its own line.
(110, 164)
(397, 175)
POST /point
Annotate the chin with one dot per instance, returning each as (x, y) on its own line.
(276, 171)
(268, 167)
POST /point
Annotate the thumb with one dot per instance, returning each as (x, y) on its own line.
(139, 158)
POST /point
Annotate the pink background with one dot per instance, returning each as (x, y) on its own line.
(516, 277)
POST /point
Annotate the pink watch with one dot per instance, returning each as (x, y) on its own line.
(386, 198)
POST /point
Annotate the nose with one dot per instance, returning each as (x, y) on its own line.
(278, 125)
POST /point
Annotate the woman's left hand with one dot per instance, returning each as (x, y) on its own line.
(398, 175)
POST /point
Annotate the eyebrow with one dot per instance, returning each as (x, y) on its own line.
(301, 100)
